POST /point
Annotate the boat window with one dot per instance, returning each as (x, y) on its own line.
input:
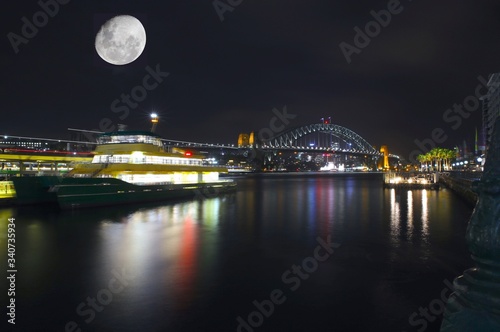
(139, 158)
(130, 139)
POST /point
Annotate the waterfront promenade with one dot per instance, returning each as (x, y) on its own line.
(461, 184)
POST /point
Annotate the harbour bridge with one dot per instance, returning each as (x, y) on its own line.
(325, 137)
(317, 138)
(324, 143)
(320, 137)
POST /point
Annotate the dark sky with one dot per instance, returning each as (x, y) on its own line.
(226, 77)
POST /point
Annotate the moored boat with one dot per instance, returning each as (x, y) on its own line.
(128, 167)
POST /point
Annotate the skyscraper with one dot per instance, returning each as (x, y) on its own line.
(491, 107)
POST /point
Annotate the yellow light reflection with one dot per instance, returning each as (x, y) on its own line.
(410, 213)
(425, 214)
(211, 212)
(395, 218)
(5, 214)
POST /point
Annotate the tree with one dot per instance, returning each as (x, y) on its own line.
(449, 156)
(423, 158)
(433, 156)
(439, 158)
(440, 155)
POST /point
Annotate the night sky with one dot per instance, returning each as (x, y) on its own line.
(225, 77)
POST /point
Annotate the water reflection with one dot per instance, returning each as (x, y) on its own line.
(395, 218)
(5, 214)
(425, 215)
(186, 264)
(416, 215)
(409, 214)
(161, 246)
(199, 264)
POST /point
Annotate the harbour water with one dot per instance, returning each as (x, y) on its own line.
(297, 252)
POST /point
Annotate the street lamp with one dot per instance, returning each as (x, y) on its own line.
(154, 121)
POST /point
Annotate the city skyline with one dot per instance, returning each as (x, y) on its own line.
(391, 71)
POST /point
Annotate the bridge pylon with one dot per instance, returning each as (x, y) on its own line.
(385, 158)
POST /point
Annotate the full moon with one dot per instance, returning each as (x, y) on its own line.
(120, 40)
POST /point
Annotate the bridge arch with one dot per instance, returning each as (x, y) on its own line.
(289, 138)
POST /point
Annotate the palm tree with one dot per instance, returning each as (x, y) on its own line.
(439, 158)
(422, 158)
(432, 155)
(441, 155)
(425, 158)
(449, 156)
